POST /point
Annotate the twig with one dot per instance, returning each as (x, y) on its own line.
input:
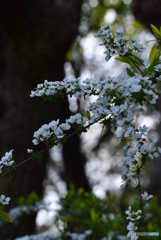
(45, 149)
(135, 65)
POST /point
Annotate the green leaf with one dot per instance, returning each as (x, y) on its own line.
(5, 216)
(81, 129)
(88, 115)
(149, 69)
(106, 122)
(122, 59)
(136, 59)
(94, 215)
(156, 31)
(153, 54)
(129, 72)
(158, 47)
(37, 156)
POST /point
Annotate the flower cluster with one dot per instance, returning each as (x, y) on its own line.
(118, 100)
(133, 217)
(115, 43)
(55, 88)
(6, 160)
(57, 131)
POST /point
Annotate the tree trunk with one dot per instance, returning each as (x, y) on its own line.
(147, 12)
(34, 38)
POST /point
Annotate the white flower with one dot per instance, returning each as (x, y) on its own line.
(119, 31)
(4, 200)
(129, 131)
(120, 133)
(40, 86)
(79, 95)
(59, 133)
(88, 232)
(80, 119)
(53, 124)
(65, 126)
(157, 68)
(128, 211)
(121, 122)
(35, 142)
(130, 115)
(124, 170)
(139, 47)
(145, 196)
(125, 39)
(135, 88)
(143, 129)
(71, 119)
(152, 139)
(115, 110)
(156, 154)
(126, 146)
(159, 149)
(29, 150)
(130, 226)
(7, 159)
(137, 137)
(145, 149)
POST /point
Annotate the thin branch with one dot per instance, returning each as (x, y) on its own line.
(26, 160)
(45, 149)
(141, 203)
(135, 65)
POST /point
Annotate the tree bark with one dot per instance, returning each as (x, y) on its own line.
(147, 12)
(34, 38)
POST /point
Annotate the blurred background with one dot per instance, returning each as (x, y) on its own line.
(53, 39)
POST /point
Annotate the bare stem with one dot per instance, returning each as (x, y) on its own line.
(141, 203)
(136, 65)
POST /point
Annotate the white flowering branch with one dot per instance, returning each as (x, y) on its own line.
(118, 100)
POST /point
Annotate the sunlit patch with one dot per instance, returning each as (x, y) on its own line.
(110, 16)
(130, 29)
(113, 1)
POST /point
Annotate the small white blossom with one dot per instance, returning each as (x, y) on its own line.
(29, 150)
(145, 149)
(7, 159)
(119, 31)
(65, 126)
(145, 196)
(4, 200)
(157, 68)
(152, 139)
(59, 133)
